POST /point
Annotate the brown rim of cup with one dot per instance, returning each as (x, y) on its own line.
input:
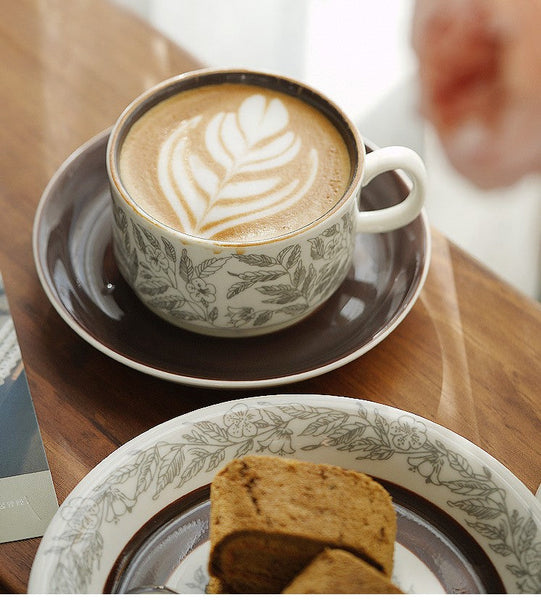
(193, 79)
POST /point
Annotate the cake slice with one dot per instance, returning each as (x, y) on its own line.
(271, 516)
(336, 571)
(216, 586)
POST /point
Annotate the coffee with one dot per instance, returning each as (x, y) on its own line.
(235, 199)
(234, 162)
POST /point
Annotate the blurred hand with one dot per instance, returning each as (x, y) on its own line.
(480, 79)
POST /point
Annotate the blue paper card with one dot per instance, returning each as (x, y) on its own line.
(27, 497)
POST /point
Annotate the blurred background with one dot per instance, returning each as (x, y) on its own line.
(359, 54)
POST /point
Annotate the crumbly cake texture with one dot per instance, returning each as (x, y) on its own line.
(336, 571)
(271, 516)
(216, 586)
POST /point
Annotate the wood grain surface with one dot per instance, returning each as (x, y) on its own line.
(468, 356)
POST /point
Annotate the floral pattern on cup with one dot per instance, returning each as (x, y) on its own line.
(261, 289)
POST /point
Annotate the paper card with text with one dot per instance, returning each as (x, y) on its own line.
(27, 496)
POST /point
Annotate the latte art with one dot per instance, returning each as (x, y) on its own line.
(252, 141)
(234, 162)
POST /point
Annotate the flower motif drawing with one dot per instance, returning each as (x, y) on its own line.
(201, 290)
(81, 513)
(428, 466)
(117, 503)
(157, 259)
(279, 441)
(240, 422)
(407, 433)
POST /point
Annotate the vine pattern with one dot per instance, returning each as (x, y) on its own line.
(283, 430)
(182, 289)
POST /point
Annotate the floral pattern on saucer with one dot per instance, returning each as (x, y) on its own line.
(364, 431)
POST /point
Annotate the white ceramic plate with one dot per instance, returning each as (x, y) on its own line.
(465, 523)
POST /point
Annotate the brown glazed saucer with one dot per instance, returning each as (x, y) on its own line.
(75, 263)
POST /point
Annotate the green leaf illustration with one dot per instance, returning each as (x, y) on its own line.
(138, 237)
(258, 276)
(185, 266)
(209, 267)
(477, 508)
(283, 294)
(170, 251)
(169, 302)
(147, 470)
(289, 256)
(171, 466)
(317, 248)
(151, 238)
(263, 317)
(257, 260)
(154, 287)
(120, 218)
(237, 288)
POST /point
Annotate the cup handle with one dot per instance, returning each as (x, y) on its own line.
(393, 217)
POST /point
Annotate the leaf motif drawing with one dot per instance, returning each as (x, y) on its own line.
(502, 549)
(263, 317)
(215, 459)
(300, 411)
(138, 237)
(527, 535)
(256, 260)
(120, 218)
(238, 288)
(170, 467)
(169, 249)
(460, 464)
(470, 487)
(488, 531)
(185, 266)
(289, 255)
(147, 469)
(151, 238)
(294, 309)
(245, 447)
(154, 288)
(209, 267)
(253, 141)
(169, 302)
(122, 474)
(258, 276)
(477, 508)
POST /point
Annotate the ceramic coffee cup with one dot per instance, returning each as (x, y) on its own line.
(236, 199)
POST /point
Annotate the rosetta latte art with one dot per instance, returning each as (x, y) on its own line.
(245, 179)
(234, 162)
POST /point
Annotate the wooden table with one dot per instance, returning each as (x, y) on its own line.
(468, 356)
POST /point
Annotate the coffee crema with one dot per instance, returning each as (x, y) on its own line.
(234, 162)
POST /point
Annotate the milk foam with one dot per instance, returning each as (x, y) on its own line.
(252, 140)
(223, 170)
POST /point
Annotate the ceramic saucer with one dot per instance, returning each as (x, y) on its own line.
(465, 524)
(74, 259)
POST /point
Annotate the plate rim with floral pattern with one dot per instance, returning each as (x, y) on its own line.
(154, 469)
